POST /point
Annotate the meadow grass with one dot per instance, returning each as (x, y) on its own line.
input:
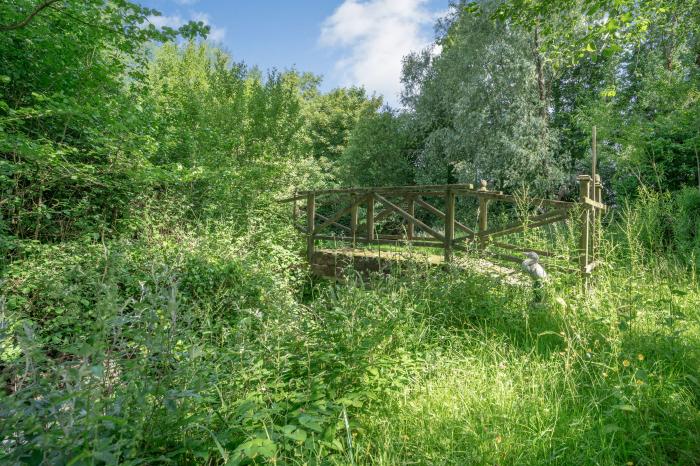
(198, 349)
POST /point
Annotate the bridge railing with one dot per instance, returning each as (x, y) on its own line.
(356, 211)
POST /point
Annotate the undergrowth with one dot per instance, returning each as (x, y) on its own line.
(208, 347)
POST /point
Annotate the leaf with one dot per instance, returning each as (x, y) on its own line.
(610, 428)
(628, 408)
(311, 422)
(296, 434)
(252, 449)
(693, 379)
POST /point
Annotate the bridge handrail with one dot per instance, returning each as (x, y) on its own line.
(431, 190)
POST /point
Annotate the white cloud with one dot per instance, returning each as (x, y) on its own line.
(186, 2)
(216, 34)
(374, 36)
(174, 21)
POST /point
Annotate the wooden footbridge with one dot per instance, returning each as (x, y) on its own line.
(453, 218)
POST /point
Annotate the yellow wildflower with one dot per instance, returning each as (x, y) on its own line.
(626, 363)
(640, 356)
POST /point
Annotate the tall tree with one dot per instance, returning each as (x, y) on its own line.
(483, 105)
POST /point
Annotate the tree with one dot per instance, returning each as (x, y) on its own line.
(331, 117)
(379, 152)
(70, 163)
(479, 104)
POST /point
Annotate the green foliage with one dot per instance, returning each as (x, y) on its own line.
(574, 29)
(332, 117)
(686, 223)
(478, 109)
(202, 349)
(154, 302)
(379, 152)
(69, 164)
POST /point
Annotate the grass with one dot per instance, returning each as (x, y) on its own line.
(199, 349)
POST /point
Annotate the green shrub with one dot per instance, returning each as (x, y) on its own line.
(686, 224)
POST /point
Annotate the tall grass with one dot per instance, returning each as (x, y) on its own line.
(206, 347)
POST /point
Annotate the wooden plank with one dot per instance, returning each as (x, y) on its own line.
(404, 214)
(334, 219)
(523, 227)
(533, 222)
(434, 190)
(384, 189)
(340, 225)
(595, 204)
(400, 242)
(439, 213)
(534, 201)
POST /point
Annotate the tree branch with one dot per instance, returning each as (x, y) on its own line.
(26, 20)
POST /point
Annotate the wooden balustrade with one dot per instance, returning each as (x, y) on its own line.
(408, 202)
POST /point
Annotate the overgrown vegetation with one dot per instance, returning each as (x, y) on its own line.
(155, 306)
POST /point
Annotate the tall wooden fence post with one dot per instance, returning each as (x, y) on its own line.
(370, 217)
(449, 224)
(411, 209)
(353, 219)
(310, 226)
(585, 238)
(483, 215)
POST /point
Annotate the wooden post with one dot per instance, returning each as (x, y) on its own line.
(449, 224)
(594, 153)
(593, 226)
(295, 209)
(483, 215)
(411, 209)
(585, 239)
(598, 212)
(353, 218)
(310, 226)
(370, 217)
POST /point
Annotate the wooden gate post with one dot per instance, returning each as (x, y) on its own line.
(370, 217)
(411, 209)
(449, 224)
(310, 226)
(585, 238)
(483, 215)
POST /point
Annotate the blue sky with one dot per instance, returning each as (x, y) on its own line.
(348, 42)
